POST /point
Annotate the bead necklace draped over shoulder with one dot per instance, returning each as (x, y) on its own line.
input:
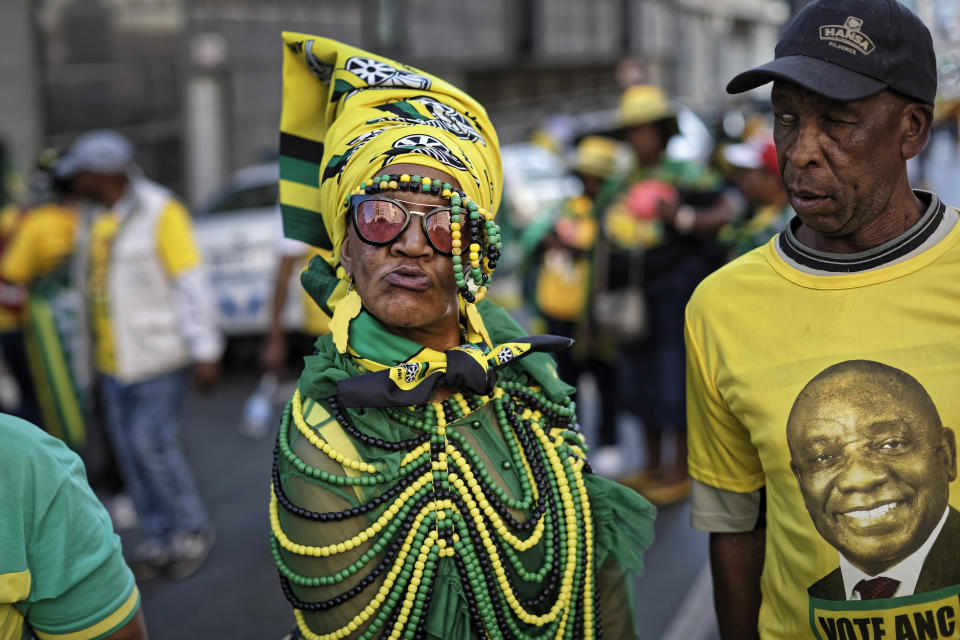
(472, 517)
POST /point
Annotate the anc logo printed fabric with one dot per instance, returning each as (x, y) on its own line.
(469, 366)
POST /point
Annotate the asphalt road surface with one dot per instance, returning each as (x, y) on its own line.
(237, 595)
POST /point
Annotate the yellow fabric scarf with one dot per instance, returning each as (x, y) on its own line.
(467, 368)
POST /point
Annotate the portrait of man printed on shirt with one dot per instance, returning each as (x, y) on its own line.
(874, 465)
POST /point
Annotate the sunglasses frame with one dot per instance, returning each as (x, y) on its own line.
(357, 199)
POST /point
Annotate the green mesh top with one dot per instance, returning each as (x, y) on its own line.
(471, 517)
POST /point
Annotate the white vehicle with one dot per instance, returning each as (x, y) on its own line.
(536, 181)
(238, 232)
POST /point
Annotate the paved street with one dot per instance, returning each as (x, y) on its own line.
(236, 594)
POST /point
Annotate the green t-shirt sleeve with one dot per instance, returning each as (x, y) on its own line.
(80, 585)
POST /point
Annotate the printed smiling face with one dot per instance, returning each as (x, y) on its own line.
(872, 461)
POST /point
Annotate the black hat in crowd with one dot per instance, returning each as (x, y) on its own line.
(851, 49)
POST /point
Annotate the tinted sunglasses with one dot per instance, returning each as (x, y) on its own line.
(380, 220)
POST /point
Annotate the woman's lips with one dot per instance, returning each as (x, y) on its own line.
(412, 279)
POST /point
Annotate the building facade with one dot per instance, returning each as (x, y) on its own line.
(196, 83)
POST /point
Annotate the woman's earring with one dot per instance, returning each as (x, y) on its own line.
(350, 285)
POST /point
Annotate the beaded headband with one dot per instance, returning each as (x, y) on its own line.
(475, 219)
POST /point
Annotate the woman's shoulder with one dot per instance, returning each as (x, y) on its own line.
(499, 323)
(324, 369)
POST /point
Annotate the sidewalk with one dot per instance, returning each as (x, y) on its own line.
(675, 595)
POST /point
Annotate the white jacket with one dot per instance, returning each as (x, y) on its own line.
(159, 323)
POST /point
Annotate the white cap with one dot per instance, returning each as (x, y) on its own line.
(758, 152)
(103, 151)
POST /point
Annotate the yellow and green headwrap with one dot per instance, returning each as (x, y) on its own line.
(348, 114)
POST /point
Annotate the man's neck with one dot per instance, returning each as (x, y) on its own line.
(901, 213)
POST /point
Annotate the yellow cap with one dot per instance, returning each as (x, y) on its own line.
(596, 156)
(642, 104)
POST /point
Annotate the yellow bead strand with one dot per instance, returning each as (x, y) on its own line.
(487, 508)
(382, 594)
(462, 403)
(588, 614)
(330, 549)
(423, 449)
(441, 417)
(565, 598)
(320, 444)
(407, 606)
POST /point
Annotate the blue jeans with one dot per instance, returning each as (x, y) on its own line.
(142, 422)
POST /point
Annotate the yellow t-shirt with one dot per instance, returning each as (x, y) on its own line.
(39, 240)
(757, 331)
(176, 250)
(10, 216)
(43, 239)
(563, 285)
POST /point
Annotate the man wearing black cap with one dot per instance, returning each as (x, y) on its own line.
(865, 271)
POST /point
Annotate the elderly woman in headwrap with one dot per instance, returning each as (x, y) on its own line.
(429, 479)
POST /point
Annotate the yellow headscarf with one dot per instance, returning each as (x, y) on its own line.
(348, 113)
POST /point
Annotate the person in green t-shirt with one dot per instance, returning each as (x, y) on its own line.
(62, 573)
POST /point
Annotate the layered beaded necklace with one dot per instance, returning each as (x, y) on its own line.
(442, 502)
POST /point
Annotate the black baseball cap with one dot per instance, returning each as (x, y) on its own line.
(851, 49)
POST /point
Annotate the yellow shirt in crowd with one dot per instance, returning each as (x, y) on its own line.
(39, 240)
(42, 241)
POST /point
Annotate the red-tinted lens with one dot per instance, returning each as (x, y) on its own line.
(379, 221)
(438, 230)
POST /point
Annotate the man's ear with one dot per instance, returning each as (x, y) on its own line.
(917, 120)
(949, 443)
(796, 474)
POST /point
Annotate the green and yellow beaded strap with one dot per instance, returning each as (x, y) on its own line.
(442, 503)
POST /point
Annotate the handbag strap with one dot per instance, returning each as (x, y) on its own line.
(601, 265)
(635, 265)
